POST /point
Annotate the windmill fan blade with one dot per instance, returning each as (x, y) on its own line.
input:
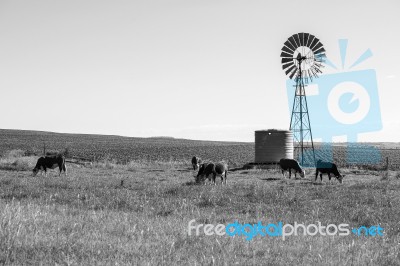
(296, 37)
(293, 74)
(320, 50)
(290, 69)
(293, 41)
(317, 47)
(314, 42)
(318, 66)
(286, 60)
(306, 36)
(283, 54)
(301, 36)
(310, 40)
(290, 46)
(309, 74)
(320, 57)
(312, 73)
(287, 50)
(286, 65)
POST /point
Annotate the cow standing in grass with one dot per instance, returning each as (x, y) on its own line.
(50, 162)
(327, 168)
(196, 161)
(211, 170)
(288, 165)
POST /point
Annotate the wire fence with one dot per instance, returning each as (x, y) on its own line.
(361, 156)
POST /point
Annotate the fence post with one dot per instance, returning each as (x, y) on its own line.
(387, 163)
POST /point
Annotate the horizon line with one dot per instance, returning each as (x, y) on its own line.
(176, 138)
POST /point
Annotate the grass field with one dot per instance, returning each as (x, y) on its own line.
(89, 218)
(137, 211)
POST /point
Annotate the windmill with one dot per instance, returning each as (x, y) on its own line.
(302, 59)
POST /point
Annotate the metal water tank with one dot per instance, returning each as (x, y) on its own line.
(272, 145)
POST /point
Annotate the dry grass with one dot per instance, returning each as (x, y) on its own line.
(134, 165)
(17, 161)
(89, 218)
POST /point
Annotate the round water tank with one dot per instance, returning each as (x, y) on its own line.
(272, 145)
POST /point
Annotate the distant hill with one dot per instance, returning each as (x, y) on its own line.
(124, 149)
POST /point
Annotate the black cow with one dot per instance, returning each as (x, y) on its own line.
(327, 168)
(210, 169)
(50, 162)
(289, 164)
(196, 161)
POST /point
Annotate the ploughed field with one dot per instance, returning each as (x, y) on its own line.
(125, 149)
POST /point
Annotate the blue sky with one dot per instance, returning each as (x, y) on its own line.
(188, 69)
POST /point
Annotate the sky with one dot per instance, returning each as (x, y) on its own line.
(194, 69)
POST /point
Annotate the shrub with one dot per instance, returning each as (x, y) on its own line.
(15, 160)
(104, 165)
(15, 154)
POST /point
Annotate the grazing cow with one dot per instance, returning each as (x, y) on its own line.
(50, 162)
(196, 161)
(289, 164)
(327, 168)
(202, 171)
(208, 169)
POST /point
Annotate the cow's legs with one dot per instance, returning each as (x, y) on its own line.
(213, 178)
(320, 175)
(42, 169)
(290, 172)
(207, 178)
(329, 176)
(316, 175)
(199, 178)
(283, 174)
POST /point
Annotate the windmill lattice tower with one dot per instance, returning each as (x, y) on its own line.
(302, 58)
